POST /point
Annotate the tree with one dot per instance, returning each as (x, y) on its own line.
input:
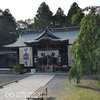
(8, 32)
(76, 18)
(74, 15)
(92, 10)
(27, 24)
(22, 25)
(43, 17)
(85, 48)
(59, 18)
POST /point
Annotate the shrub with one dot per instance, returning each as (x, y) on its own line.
(17, 68)
(22, 71)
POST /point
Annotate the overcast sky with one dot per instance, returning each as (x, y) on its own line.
(26, 9)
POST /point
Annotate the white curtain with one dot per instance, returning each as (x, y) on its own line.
(53, 53)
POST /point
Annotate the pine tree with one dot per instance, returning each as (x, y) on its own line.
(59, 18)
(74, 15)
(8, 33)
(43, 17)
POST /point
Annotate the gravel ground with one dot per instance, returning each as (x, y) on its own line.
(56, 85)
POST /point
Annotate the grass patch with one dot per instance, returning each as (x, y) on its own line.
(88, 89)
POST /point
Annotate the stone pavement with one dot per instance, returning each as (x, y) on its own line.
(25, 87)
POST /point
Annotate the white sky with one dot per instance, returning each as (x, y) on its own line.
(26, 9)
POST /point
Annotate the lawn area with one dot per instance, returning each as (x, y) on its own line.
(88, 89)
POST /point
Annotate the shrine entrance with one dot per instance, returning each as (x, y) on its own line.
(49, 63)
(46, 61)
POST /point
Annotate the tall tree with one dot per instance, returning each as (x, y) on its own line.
(85, 48)
(43, 17)
(22, 25)
(27, 24)
(8, 33)
(74, 15)
(59, 18)
(77, 18)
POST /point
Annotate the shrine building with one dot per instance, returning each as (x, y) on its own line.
(41, 49)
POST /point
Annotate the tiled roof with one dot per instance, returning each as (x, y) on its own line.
(63, 33)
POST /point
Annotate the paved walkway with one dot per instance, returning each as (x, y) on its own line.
(22, 89)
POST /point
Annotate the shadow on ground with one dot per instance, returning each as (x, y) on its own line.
(87, 87)
(51, 98)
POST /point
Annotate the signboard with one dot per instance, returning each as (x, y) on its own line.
(26, 58)
(70, 56)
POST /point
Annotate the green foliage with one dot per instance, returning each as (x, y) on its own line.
(27, 24)
(72, 73)
(17, 68)
(76, 18)
(85, 49)
(59, 18)
(92, 10)
(43, 17)
(8, 32)
(74, 15)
